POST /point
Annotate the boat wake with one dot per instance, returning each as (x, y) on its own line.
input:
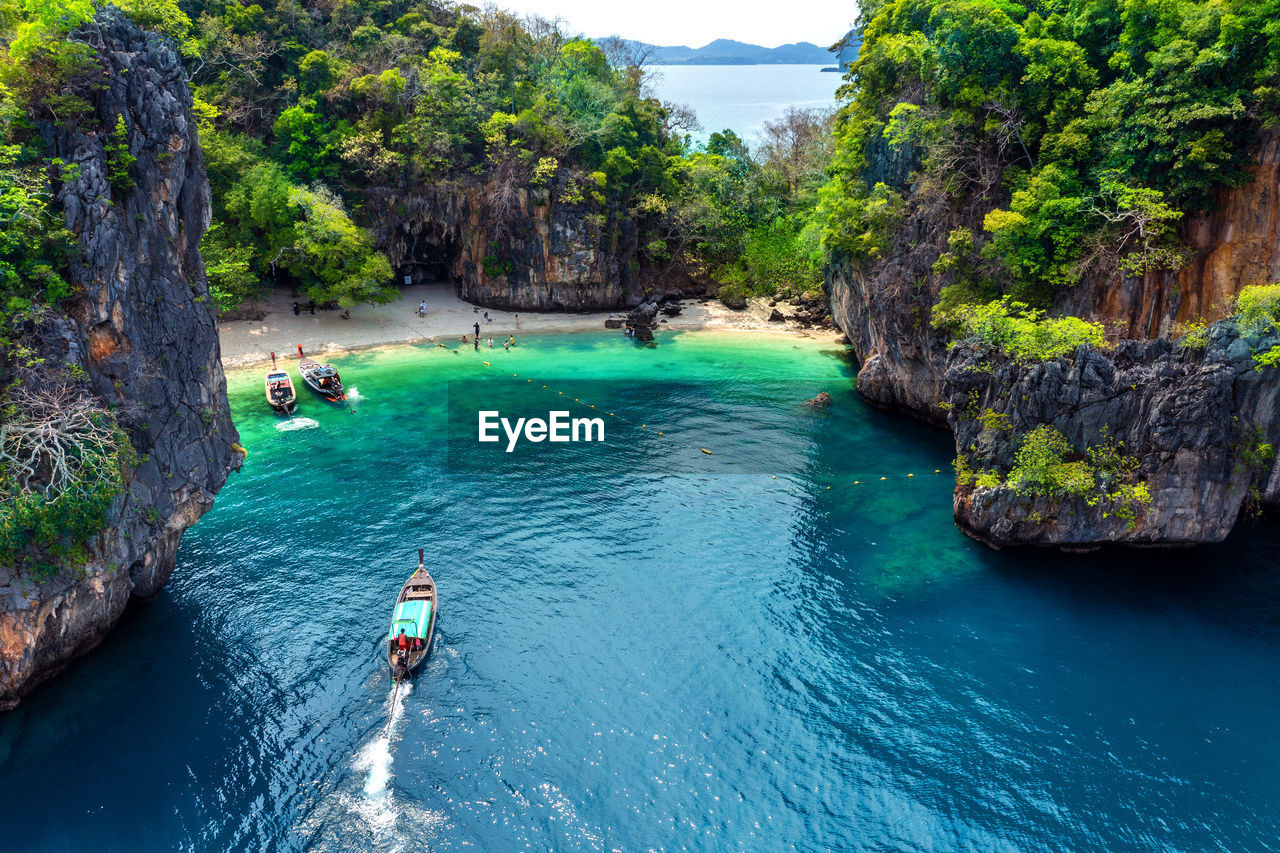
(373, 817)
(375, 757)
(353, 394)
(294, 424)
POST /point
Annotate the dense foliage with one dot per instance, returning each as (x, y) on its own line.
(1086, 127)
(1019, 331)
(308, 110)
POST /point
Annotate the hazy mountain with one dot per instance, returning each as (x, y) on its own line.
(730, 52)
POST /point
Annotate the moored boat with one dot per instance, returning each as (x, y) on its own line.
(414, 618)
(322, 378)
(281, 395)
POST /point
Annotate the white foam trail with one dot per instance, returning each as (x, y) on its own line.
(294, 424)
(375, 757)
(354, 393)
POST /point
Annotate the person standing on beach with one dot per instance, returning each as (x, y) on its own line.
(477, 325)
(422, 308)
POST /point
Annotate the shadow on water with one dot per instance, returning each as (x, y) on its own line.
(1234, 585)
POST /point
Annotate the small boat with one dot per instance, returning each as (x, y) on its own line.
(415, 617)
(322, 378)
(279, 389)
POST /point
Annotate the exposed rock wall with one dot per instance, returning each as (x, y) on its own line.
(1192, 421)
(884, 305)
(1233, 245)
(144, 332)
(1181, 414)
(519, 250)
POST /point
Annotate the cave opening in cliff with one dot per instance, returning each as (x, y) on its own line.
(430, 257)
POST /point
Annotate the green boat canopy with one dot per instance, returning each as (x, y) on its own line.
(414, 617)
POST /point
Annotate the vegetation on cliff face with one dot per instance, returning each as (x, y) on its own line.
(63, 460)
(1046, 465)
(1019, 331)
(1257, 314)
(63, 456)
(1085, 128)
(306, 110)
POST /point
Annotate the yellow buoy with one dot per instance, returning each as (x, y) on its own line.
(708, 452)
(884, 478)
(911, 475)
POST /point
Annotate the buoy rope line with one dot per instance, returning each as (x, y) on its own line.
(866, 481)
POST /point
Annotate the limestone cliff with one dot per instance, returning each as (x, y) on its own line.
(1180, 413)
(1193, 421)
(521, 249)
(144, 333)
(884, 305)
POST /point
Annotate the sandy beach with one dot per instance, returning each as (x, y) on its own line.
(249, 342)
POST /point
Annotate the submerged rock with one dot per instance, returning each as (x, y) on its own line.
(821, 401)
(144, 332)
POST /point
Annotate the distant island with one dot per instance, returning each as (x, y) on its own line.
(730, 52)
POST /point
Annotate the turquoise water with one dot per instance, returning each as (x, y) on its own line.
(744, 97)
(636, 652)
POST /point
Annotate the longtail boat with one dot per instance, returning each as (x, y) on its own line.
(279, 389)
(322, 378)
(414, 617)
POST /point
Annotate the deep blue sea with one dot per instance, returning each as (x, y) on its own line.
(645, 647)
(743, 98)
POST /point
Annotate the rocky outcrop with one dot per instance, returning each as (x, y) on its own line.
(640, 321)
(518, 249)
(1197, 424)
(884, 305)
(143, 331)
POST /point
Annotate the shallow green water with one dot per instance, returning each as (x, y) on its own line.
(642, 646)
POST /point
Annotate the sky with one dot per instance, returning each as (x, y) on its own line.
(696, 22)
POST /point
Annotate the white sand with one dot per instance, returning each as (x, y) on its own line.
(249, 342)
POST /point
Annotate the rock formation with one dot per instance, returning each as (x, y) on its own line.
(884, 307)
(517, 250)
(1193, 421)
(143, 330)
